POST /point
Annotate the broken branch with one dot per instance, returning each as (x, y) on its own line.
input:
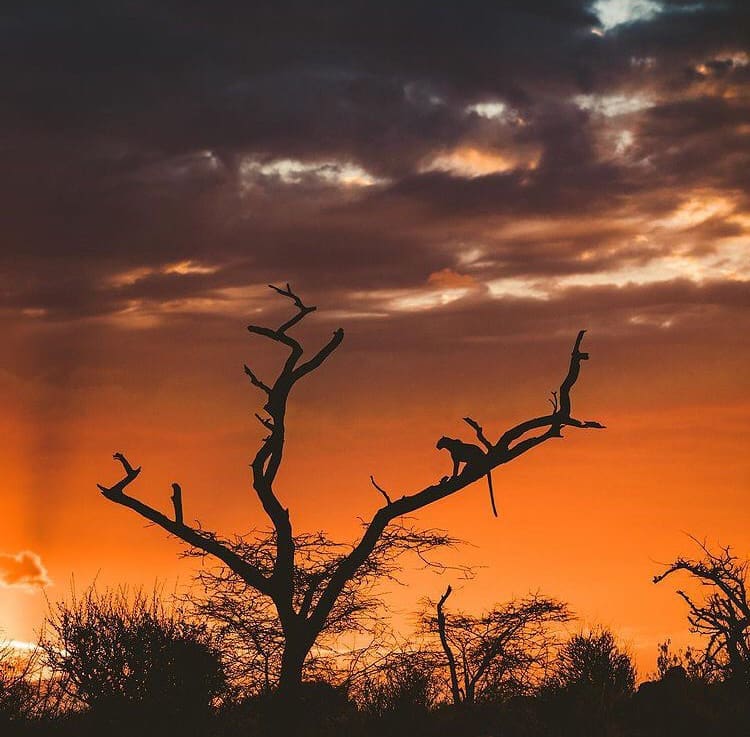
(177, 503)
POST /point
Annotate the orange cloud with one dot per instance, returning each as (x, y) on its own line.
(471, 161)
(449, 279)
(22, 569)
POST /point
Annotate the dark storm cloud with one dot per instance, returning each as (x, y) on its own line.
(251, 75)
(709, 145)
(138, 136)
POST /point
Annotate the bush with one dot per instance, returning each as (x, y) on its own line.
(398, 698)
(18, 695)
(591, 678)
(124, 657)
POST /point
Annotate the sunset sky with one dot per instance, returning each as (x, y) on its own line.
(461, 186)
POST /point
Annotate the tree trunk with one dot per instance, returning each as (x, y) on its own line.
(290, 680)
(287, 701)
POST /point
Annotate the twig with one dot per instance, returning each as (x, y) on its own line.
(264, 421)
(255, 381)
(480, 433)
(381, 490)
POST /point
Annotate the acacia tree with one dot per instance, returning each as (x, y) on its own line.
(724, 614)
(499, 652)
(303, 618)
(355, 634)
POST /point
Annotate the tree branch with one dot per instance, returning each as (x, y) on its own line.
(264, 421)
(320, 356)
(381, 490)
(280, 335)
(553, 402)
(196, 538)
(480, 433)
(268, 459)
(498, 455)
(561, 415)
(303, 309)
(177, 503)
(255, 381)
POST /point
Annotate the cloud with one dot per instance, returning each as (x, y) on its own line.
(24, 569)
(517, 148)
(615, 12)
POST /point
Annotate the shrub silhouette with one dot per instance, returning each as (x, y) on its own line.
(18, 695)
(124, 658)
(591, 678)
(398, 698)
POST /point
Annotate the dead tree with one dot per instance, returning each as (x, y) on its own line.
(302, 622)
(499, 653)
(723, 616)
(456, 693)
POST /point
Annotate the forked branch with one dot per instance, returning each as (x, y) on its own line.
(479, 431)
(265, 465)
(196, 538)
(511, 445)
(302, 308)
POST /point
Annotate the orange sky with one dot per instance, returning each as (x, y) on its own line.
(461, 191)
(587, 519)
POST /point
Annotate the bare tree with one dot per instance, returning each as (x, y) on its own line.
(302, 619)
(723, 616)
(502, 652)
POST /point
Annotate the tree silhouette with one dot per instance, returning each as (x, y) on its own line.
(498, 653)
(355, 630)
(303, 619)
(724, 614)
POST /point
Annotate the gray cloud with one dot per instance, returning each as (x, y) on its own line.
(139, 137)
